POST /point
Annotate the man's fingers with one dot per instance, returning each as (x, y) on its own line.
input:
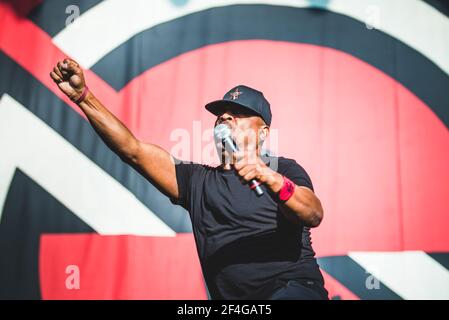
(70, 65)
(64, 69)
(245, 169)
(250, 175)
(61, 70)
(55, 77)
(68, 60)
(60, 65)
(58, 72)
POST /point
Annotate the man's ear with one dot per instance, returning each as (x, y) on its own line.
(264, 132)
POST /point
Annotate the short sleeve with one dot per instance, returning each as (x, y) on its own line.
(292, 170)
(185, 176)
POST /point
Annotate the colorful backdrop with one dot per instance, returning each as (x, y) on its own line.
(360, 98)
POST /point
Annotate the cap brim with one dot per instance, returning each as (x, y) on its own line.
(217, 107)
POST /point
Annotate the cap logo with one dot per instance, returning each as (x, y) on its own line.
(235, 94)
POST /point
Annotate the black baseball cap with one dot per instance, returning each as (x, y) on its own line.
(244, 97)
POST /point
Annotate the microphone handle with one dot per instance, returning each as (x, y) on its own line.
(253, 184)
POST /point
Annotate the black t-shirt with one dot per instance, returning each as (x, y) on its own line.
(247, 247)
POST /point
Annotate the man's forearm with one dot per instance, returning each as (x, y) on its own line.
(151, 161)
(306, 206)
(302, 206)
(113, 132)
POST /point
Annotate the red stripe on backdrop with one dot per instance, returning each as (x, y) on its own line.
(367, 141)
(120, 267)
(336, 289)
(376, 153)
(34, 50)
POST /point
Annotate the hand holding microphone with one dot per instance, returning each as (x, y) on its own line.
(246, 171)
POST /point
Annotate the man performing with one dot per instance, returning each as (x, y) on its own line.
(251, 245)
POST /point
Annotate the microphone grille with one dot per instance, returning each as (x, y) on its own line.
(222, 131)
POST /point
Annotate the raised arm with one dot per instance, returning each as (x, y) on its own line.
(153, 162)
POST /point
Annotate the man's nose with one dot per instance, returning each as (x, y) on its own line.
(225, 117)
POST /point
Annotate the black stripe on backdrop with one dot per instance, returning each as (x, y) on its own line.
(312, 26)
(64, 120)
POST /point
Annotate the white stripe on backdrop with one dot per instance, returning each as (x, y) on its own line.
(410, 274)
(112, 22)
(69, 176)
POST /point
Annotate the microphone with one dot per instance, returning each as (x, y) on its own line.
(223, 132)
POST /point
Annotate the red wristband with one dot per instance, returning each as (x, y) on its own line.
(83, 95)
(287, 190)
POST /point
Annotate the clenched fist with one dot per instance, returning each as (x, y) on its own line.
(69, 77)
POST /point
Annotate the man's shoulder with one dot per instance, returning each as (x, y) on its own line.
(282, 163)
(292, 170)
